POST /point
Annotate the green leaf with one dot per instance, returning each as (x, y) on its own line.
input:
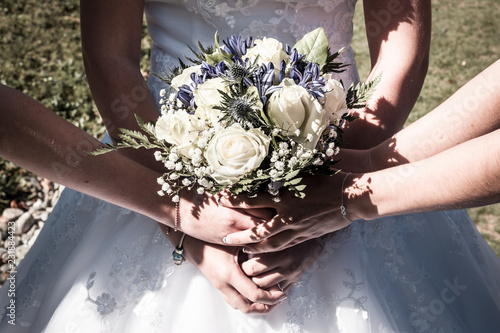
(141, 137)
(358, 95)
(292, 175)
(294, 181)
(300, 195)
(314, 45)
(148, 127)
(103, 150)
(300, 187)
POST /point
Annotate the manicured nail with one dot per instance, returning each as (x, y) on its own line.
(246, 250)
(220, 201)
(227, 240)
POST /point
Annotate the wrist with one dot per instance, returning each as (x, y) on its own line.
(353, 160)
(357, 197)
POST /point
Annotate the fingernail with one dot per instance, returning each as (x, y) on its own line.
(246, 250)
(220, 201)
(227, 240)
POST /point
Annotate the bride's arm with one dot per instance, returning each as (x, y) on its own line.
(111, 44)
(398, 33)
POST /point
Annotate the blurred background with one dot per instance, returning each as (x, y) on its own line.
(41, 56)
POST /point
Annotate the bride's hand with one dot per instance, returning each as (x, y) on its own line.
(283, 268)
(220, 265)
(297, 220)
(201, 217)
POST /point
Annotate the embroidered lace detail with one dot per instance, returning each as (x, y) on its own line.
(285, 20)
(397, 268)
(459, 226)
(140, 270)
(286, 17)
(63, 230)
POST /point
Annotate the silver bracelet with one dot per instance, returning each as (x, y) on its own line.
(176, 218)
(342, 207)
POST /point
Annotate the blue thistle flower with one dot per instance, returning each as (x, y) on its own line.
(242, 108)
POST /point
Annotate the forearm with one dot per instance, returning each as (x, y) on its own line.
(40, 141)
(467, 175)
(399, 40)
(470, 112)
(111, 42)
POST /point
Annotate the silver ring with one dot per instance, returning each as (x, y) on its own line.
(279, 286)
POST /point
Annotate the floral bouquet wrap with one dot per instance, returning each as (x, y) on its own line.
(249, 116)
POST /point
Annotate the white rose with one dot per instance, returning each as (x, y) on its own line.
(234, 152)
(207, 94)
(180, 129)
(184, 77)
(335, 104)
(208, 114)
(267, 50)
(298, 113)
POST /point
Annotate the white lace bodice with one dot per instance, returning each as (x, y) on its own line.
(174, 25)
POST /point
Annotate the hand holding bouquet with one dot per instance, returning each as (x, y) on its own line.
(249, 116)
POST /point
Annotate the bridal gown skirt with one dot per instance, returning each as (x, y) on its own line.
(96, 267)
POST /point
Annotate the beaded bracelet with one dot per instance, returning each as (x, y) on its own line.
(178, 254)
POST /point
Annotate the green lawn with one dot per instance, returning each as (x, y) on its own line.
(41, 56)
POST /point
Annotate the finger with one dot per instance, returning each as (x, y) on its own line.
(257, 233)
(239, 302)
(278, 242)
(258, 265)
(238, 220)
(269, 279)
(252, 292)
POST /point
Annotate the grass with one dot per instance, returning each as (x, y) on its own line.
(41, 56)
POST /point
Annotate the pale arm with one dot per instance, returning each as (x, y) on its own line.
(453, 151)
(398, 33)
(470, 112)
(467, 175)
(111, 43)
(40, 141)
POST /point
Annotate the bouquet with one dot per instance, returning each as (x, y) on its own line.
(249, 116)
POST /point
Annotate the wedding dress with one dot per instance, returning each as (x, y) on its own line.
(96, 267)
